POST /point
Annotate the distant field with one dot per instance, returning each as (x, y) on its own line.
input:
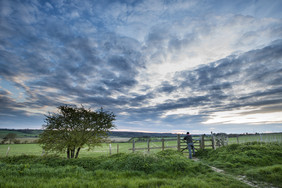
(30, 136)
(119, 139)
(33, 139)
(35, 149)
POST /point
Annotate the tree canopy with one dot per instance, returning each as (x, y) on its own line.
(73, 128)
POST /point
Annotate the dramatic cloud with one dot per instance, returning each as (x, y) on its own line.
(164, 66)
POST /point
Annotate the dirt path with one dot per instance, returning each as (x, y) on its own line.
(242, 179)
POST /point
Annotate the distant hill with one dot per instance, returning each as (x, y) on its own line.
(33, 133)
(140, 134)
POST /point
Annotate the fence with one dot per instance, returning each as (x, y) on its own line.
(207, 141)
(267, 138)
(200, 143)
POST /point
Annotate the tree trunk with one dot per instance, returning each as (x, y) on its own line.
(77, 152)
(72, 153)
(68, 153)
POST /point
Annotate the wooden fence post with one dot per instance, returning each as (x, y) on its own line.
(213, 142)
(110, 148)
(163, 146)
(148, 144)
(43, 152)
(7, 151)
(133, 145)
(117, 148)
(178, 142)
(237, 139)
(202, 145)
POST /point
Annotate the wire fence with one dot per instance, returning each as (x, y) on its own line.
(267, 138)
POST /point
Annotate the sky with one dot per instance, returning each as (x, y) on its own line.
(158, 65)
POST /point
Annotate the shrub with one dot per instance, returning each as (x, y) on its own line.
(17, 141)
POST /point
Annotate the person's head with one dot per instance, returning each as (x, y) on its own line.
(188, 133)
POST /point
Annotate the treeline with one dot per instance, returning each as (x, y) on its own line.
(21, 133)
(140, 134)
(245, 134)
(36, 132)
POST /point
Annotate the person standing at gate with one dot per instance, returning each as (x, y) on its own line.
(190, 144)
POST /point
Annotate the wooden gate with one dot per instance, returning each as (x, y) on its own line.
(181, 145)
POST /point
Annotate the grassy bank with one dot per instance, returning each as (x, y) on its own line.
(257, 161)
(163, 169)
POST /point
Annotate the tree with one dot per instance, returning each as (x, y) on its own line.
(9, 137)
(72, 128)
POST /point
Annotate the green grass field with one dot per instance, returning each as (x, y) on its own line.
(261, 162)
(35, 149)
(162, 169)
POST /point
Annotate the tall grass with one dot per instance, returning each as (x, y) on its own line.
(258, 161)
(163, 169)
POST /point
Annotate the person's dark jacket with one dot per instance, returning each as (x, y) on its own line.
(188, 138)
